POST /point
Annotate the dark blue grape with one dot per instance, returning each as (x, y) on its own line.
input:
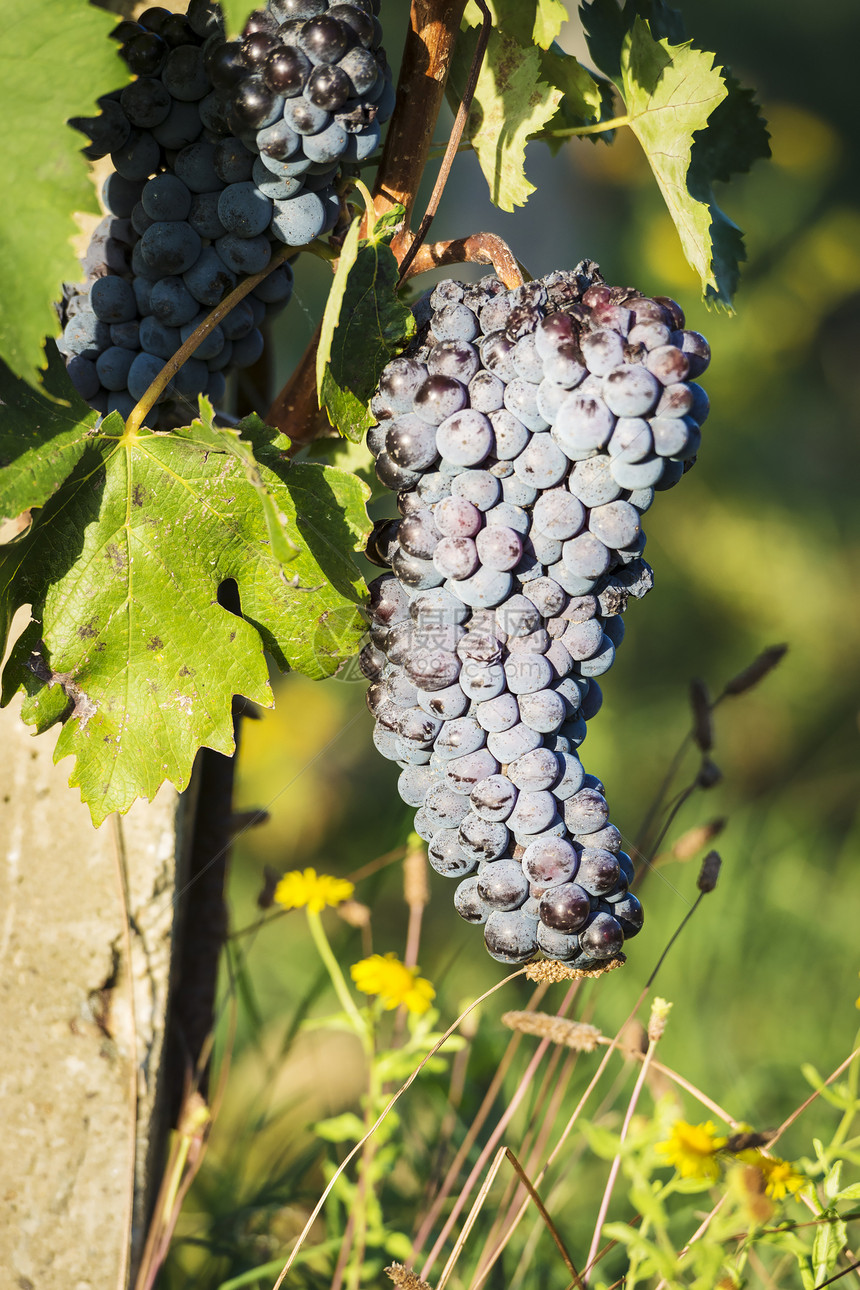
(277, 287)
(244, 210)
(170, 247)
(195, 166)
(166, 197)
(142, 372)
(602, 937)
(254, 104)
(171, 301)
(181, 126)
(138, 157)
(298, 220)
(468, 903)
(204, 218)
(112, 300)
(158, 339)
(112, 367)
(184, 75)
(565, 907)
(209, 279)
(244, 255)
(510, 936)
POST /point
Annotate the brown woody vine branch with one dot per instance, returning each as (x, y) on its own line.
(427, 57)
(454, 141)
(480, 248)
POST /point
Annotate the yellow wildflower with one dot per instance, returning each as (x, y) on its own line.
(393, 981)
(692, 1149)
(308, 888)
(780, 1178)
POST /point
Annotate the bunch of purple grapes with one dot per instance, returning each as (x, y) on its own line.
(222, 151)
(525, 433)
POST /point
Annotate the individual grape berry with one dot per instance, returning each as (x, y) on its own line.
(565, 907)
(602, 937)
(510, 936)
(468, 903)
(503, 885)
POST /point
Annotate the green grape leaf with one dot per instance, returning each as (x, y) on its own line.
(44, 432)
(226, 439)
(529, 22)
(364, 325)
(511, 103)
(670, 91)
(334, 303)
(122, 568)
(696, 123)
(550, 18)
(736, 136)
(585, 98)
(55, 60)
(606, 23)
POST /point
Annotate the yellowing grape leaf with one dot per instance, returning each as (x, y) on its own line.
(527, 21)
(670, 91)
(122, 568)
(550, 17)
(56, 59)
(511, 103)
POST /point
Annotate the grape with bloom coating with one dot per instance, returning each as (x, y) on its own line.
(526, 432)
(221, 151)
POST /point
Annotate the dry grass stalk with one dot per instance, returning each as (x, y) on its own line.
(354, 913)
(551, 970)
(559, 1030)
(690, 843)
(757, 670)
(710, 871)
(703, 726)
(405, 1278)
(416, 889)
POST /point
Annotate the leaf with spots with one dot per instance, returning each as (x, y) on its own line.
(56, 57)
(122, 567)
(511, 103)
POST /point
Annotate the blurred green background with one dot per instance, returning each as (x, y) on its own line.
(758, 545)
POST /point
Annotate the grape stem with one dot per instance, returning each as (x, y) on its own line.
(142, 409)
(480, 248)
(296, 410)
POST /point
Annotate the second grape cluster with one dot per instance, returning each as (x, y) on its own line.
(222, 151)
(525, 433)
